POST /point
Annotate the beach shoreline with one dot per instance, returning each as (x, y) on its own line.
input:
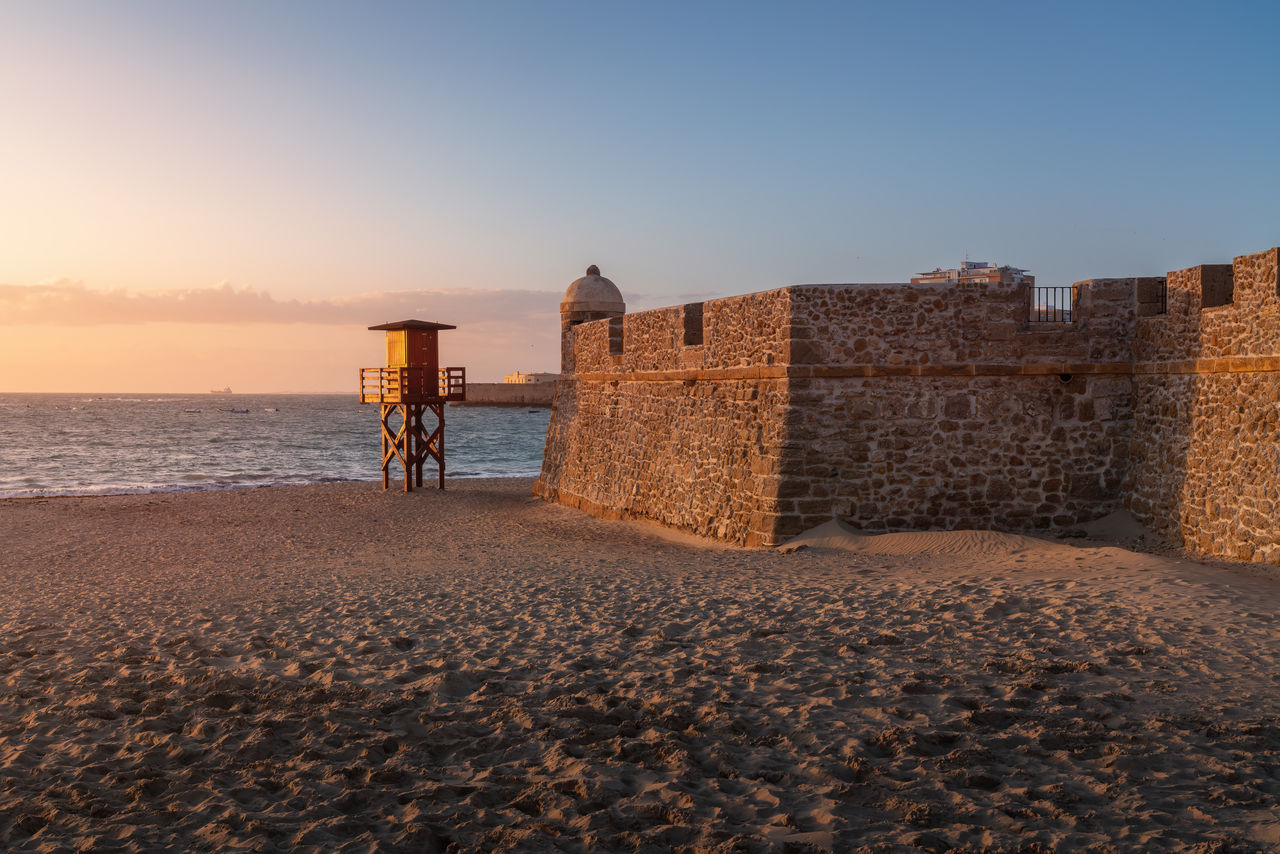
(339, 667)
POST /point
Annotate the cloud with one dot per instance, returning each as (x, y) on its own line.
(71, 303)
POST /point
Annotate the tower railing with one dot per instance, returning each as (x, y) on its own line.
(453, 383)
(413, 384)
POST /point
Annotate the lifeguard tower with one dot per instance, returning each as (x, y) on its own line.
(412, 383)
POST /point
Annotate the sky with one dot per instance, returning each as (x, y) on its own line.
(202, 194)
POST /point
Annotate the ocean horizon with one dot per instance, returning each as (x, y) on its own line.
(102, 444)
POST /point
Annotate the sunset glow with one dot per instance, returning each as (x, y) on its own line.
(229, 193)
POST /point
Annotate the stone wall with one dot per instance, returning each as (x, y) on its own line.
(509, 394)
(1206, 453)
(969, 323)
(742, 331)
(941, 405)
(887, 405)
(898, 406)
(1009, 452)
(686, 435)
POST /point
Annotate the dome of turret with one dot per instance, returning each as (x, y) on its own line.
(593, 293)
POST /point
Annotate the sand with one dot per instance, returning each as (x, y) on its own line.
(337, 668)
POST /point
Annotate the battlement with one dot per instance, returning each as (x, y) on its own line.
(934, 327)
(1216, 311)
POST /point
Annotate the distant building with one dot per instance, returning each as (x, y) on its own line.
(532, 377)
(976, 271)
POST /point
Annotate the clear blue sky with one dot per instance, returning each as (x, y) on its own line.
(320, 150)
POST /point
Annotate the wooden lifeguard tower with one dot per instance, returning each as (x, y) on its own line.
(412, 383)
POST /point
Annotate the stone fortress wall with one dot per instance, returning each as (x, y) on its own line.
(1206, 461)
(689, 435)
(899, 406)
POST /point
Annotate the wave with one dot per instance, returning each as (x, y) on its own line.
(148, 489)
(127, 444)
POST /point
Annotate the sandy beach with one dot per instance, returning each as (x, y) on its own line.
(337, 668)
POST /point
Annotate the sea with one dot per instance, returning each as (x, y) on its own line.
(87, 444)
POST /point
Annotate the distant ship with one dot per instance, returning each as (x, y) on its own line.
(226, 390)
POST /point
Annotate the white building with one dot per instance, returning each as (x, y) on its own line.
(532, 377)
(977, 271)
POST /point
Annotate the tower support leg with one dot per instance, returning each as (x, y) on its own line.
(409, 442)
(440, 440)
(433, 445)
(408, 433)
(396, 443)
(419, 434)
(383, 435)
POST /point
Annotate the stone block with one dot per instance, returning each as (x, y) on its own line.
(1149, 289)
(783, 487)
(958, 406)
(999, 491)
(803, 352)
(765, 465)
(1088, 487)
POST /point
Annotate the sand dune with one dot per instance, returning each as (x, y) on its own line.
(334, 668)
(837, 535)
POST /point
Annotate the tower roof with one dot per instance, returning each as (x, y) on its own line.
(412, 324)
(593, 292)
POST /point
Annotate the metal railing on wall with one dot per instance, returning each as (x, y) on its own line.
(1052, 304)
